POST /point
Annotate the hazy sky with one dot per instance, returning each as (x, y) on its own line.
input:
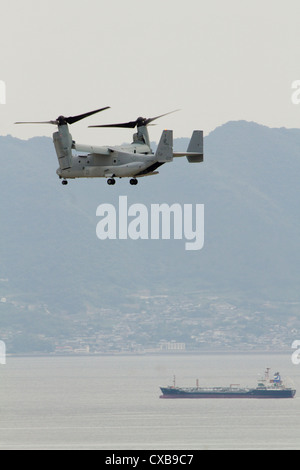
(215, 60)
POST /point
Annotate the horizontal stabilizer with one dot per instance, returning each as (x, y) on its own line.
(189, 154)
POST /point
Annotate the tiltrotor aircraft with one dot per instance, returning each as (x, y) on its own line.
(132, 161)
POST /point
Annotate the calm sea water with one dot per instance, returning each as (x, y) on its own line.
(113, 403)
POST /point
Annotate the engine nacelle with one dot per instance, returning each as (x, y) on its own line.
(63, 146)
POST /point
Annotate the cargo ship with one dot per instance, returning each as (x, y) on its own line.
(266, 388)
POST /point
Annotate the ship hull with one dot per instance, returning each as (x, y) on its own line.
(173, 393)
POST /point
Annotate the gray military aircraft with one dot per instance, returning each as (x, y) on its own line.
(133, 161)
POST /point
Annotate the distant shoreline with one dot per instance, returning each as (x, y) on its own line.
(160, 353)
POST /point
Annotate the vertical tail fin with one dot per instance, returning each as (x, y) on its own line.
(164, 151)
(196, 146)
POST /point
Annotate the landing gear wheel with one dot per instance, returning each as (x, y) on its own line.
(65, 182)
(111, 181)
(133, 181)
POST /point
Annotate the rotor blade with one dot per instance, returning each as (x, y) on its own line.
(70, 120)
(124, 125)
(73, 119)
(139, 122)
(39, 122)
(158, 117)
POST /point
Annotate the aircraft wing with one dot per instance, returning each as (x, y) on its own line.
(102, 151)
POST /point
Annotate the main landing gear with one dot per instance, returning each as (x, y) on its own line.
(112, 181)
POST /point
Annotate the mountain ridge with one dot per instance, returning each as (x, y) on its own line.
(49, 249)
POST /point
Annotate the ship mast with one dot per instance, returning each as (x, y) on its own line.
(267, 375)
